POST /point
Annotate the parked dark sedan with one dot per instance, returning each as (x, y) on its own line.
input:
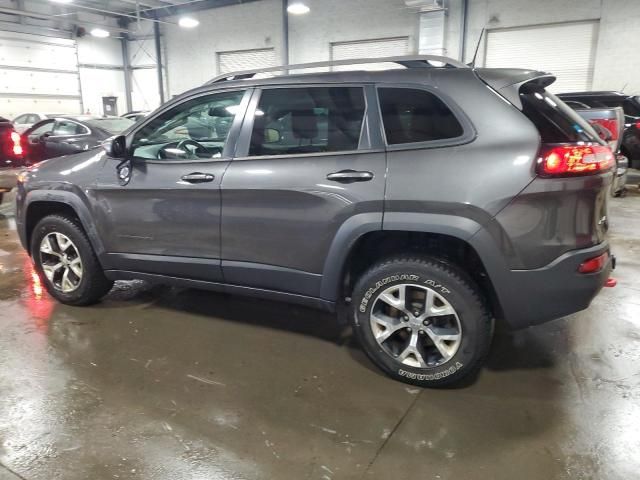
(605, 99)
(65, 135)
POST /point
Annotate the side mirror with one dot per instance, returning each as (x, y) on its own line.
(271, 135)
(44, 136)
(116, 147)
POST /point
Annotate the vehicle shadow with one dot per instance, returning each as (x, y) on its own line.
(534, 348)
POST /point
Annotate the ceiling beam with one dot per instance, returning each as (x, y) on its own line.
(69, 21)
(194, 6)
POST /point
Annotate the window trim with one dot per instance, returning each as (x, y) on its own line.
(232, 137)
(244, 141)
(469, 133)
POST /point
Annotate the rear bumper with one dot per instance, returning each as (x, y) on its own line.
(531, 297)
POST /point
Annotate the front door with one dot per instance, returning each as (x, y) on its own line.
(160, 213)
(36, 137)
(304, 167)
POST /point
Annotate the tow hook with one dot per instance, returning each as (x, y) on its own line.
(611, 282)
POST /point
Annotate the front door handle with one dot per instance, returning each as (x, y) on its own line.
(197, 177)
(349, 176)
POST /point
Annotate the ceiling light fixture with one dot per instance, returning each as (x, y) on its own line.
(100, 33)
(298, 8)
(188, 22)
(61, 1)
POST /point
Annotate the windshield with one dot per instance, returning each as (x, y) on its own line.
(113, 126)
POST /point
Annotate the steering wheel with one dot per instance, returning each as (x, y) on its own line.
(181, 145)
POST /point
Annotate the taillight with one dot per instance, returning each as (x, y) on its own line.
(594, 264)
(17, 146)
(638, 125)
(570, 160)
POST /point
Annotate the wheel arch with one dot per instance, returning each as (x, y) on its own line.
(450, 238)
(40, 204)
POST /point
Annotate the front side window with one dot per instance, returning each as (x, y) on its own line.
(67, 128)
(21, 119)
(194, 130)
(411, 115)
(292, 121)
(46, 127)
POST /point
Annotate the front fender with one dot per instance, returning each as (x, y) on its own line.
(74, 199)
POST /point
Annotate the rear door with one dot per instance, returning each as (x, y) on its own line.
(305, 166)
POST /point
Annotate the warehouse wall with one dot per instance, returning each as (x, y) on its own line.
(192, 54)
(616, 61)
(311, 35)
(101, 73)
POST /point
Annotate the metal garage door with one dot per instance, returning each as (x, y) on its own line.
(566, 50)
(382, 47)
(246, 60)
(38, 74)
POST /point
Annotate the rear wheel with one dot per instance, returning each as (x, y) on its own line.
(65, 260)
(421, 321)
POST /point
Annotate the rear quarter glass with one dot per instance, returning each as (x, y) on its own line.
(556, 122)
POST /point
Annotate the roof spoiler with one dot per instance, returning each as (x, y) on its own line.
(508, 81)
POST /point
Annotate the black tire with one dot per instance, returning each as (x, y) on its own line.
(93, 285)
(452, 284)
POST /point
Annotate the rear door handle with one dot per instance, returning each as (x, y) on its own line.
(349, 176)
(197, 177)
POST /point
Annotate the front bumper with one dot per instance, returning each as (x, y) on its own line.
(531, 297)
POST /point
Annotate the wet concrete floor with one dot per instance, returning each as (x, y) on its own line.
(161, 383)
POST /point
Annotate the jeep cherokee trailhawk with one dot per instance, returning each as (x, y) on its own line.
(427, 201)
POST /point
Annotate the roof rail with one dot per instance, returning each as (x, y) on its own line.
(411, 61)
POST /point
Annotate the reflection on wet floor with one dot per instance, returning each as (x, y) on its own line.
(164, 383)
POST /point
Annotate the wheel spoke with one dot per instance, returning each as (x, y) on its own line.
(76, 267)
(66, 283)
(63, 242)
(48, 247)
(385, 326)
(440, 336)
(50, 270)
(399, 303)
(411, 355)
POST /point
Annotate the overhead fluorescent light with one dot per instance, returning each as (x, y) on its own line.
(61, 1)
(188, 22)
(100, 33)
(298, 8)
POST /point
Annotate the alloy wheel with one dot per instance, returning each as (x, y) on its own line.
(61, 262)
(415, 325)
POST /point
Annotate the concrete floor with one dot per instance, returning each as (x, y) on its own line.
(160, 383)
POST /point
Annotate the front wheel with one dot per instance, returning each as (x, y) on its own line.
(422, 321)
(65, 260)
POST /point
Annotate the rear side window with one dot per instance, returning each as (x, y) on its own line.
(411, 115)
(65, 127)
(556, 122)
(292, 121)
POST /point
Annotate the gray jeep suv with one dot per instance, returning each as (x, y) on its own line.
(427, 202)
